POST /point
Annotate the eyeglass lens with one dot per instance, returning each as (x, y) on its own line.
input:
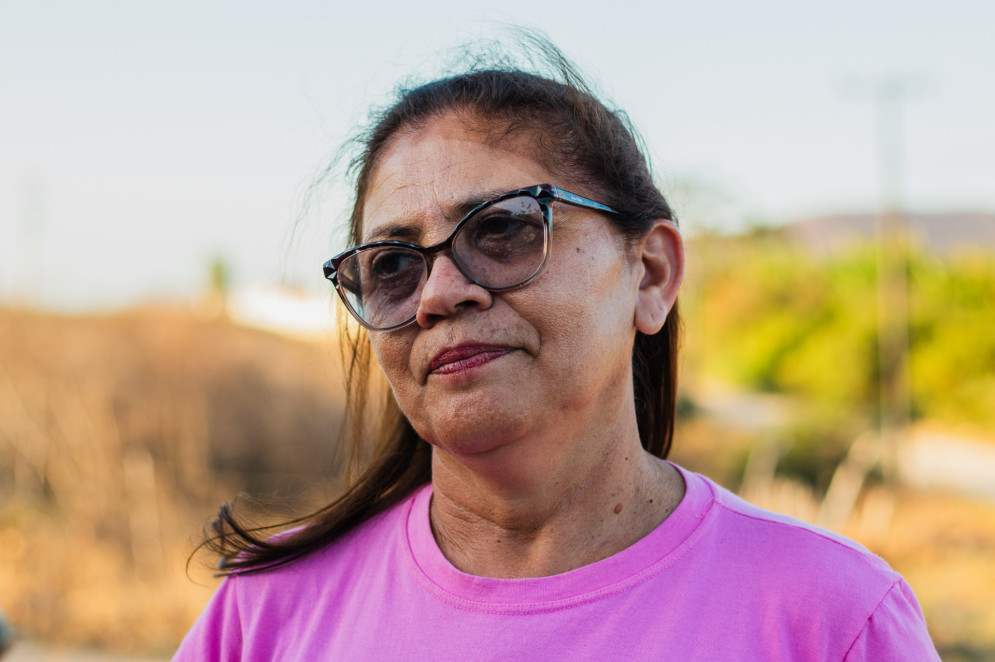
(501, 246)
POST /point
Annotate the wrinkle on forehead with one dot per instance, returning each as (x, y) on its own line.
(428, 173)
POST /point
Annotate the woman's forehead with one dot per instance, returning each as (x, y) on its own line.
(437, 172)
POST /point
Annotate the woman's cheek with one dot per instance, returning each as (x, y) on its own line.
(393, 355)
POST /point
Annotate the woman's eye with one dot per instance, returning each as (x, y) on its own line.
(498, 226)
(392, 264)
(504, 233)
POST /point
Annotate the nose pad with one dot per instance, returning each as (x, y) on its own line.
(447, 291)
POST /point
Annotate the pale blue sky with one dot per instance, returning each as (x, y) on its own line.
(139, 140)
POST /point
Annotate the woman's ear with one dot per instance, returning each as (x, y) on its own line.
(661, 252)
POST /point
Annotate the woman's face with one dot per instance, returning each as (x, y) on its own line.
(481, 373)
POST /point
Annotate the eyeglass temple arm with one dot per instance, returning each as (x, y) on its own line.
(573, 199)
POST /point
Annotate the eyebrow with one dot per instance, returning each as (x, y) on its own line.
(410, 231)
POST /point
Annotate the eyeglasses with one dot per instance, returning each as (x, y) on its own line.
(499, 245)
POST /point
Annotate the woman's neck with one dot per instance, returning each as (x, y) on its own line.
(542, 521)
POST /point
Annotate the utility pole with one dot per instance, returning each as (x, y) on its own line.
(888, 93)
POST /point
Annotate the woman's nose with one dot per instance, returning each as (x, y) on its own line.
(446, 292)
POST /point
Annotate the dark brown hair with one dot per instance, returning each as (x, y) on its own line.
(575, 136)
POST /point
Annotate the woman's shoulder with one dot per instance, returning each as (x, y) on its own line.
(777, 549)
(781, 569)
(365, 543)
(339, 564)
(254, 610)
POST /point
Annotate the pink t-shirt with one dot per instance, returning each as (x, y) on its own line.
(718, 580)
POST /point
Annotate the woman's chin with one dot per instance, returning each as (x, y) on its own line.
(464, 431)
(469, 440)
(499, 456)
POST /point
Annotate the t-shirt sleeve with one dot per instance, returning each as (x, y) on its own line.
(216, 636)
(896, 630)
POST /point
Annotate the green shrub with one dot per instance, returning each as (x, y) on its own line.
(764, 315)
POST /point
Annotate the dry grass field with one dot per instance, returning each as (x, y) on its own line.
(120, 436)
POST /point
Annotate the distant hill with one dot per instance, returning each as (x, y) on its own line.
(944, 234)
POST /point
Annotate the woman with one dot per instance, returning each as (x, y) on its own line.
(518, 505)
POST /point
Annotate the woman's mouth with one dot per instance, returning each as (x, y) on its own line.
(465, 357)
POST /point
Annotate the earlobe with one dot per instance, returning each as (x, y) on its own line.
(661, 253)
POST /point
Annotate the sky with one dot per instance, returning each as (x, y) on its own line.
(141, 141)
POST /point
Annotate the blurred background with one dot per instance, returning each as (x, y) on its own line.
(167, 341)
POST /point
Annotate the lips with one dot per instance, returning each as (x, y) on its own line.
(465, 357)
